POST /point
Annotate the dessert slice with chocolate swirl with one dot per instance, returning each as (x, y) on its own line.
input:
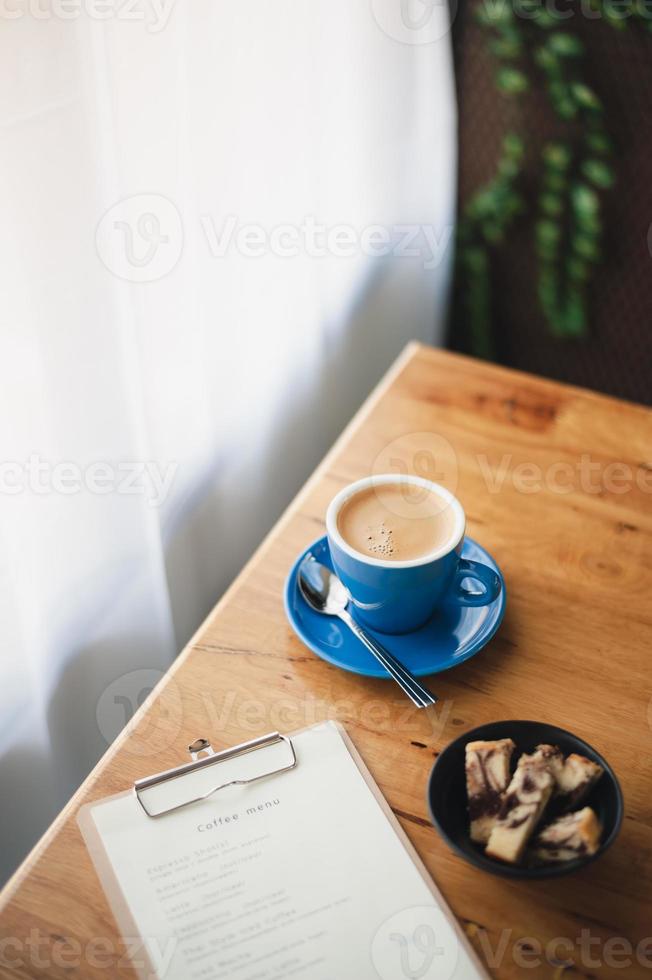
(575, 776)
(487, 776)
(523, 803)
(576, 780)
(553, 756)
(571, 836)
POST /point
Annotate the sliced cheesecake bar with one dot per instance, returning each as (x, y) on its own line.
(574, 776)
(571, 836)
(576, 780)
(553, 757)
(487, 777)
(523, 803)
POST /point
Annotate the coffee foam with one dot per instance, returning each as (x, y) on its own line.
(395, 522)
(381, 541)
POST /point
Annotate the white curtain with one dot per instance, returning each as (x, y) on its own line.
(221, 220)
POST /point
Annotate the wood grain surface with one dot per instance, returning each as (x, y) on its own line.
(557, 484)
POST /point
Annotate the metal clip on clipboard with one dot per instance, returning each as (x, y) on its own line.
(204, 756)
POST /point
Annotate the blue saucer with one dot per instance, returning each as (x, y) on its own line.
(453, 635)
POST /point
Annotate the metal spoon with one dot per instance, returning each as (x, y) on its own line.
(325, 593)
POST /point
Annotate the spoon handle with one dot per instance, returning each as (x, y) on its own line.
(410, 685)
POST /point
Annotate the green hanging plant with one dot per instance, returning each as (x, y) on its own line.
(576, 171)
(486, 220)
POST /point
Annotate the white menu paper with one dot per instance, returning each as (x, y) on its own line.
(305, 875)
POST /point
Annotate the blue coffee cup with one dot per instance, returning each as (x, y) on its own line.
(400, 596)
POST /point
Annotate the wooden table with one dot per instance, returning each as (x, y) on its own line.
(557, 483)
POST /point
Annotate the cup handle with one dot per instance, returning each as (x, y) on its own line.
(487, 578)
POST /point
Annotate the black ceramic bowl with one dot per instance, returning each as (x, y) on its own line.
(447, 795)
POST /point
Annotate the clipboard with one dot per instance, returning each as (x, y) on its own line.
(204, 756)
(248, 767)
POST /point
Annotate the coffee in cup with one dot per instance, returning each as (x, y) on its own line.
(395, 542)
(397, 522)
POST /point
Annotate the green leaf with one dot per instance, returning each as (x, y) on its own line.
(547, 231)
(585, 201)
(495, 14)
(599, 142)
(584, 96)
(511, 81)
(493, 233)
(547, 235)
(547, 295)
(488, 201)
(565, 45)
(589, 223)
(598, 173)
(575, 316)
(547, 60)
(475, 259)
(557, 156)
(508, 168)
(562, 103)
(554, 182)
(564, 107)
(506, 47)
(547, 290)
(551, 204)
(513, 146)
(586, 247)
(577, 269)
(548, 281)
(616, 15)
(558, 88)
(482, 205)
(545, 19)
